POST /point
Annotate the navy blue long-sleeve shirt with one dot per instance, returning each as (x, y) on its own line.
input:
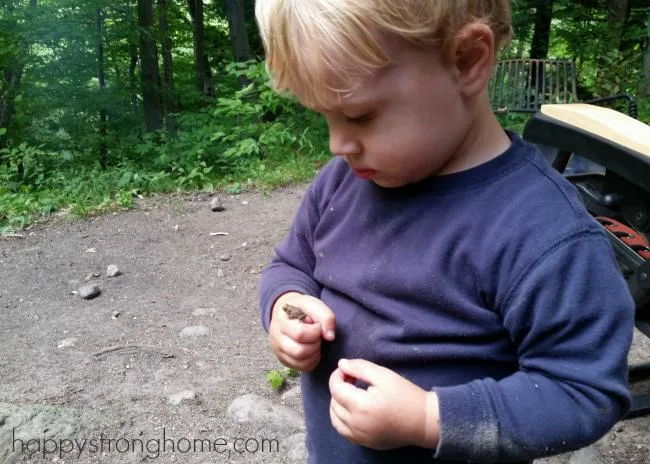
(492, 286)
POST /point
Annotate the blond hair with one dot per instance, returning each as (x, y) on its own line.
(311, 43)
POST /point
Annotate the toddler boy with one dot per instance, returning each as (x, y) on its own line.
(461, 304)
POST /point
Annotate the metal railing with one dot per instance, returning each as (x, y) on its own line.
(524, 85)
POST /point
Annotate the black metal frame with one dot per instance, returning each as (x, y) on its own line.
(623, 192)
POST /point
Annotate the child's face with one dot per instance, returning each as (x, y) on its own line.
(403, 124)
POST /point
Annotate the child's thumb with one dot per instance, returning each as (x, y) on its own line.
(361, 369)
(324, 316)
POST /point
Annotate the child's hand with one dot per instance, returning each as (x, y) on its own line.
(297, 343)
(391, 413)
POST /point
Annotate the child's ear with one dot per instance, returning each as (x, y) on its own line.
(473, 57)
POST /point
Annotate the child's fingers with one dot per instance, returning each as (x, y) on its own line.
(344, 391)
(298, 351)
(304, 364)
(340, 418)
(314, 310)
(308, 364)
(322, 315)
(363, 370)
(302, 332)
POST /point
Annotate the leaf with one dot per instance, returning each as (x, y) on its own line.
(292, 372)
(276, 378)
(217, 136)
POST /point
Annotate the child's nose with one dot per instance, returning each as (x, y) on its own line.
(342, 144)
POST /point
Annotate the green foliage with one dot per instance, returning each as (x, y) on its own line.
(513, 121)
(644, 110)
(614, 73)
(251, 132)
(251, 138)
(247, 136)
(73, 189)
(278, 377)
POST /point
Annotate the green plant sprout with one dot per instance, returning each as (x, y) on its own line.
(278, 377)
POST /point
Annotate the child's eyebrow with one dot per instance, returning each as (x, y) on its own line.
(346, 104)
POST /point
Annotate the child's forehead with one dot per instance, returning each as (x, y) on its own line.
(336, 94)
(324, 73)
(330, 100)
(331, 79)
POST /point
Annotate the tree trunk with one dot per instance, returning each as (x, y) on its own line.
(540, 43)
(12, 74)
(237, 26)
(169, 103)
(132, 80)
(255, 41)
(103, 150)
(542, 32)
(618, 10)
(201, 65)
(644, 85)
(149, 68)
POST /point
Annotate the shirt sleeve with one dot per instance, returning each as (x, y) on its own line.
(571, 317)
(292, 267)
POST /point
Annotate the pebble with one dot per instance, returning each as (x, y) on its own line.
(88, 291)
(254, 408)
(220, 273)
(204, 312)
(195, 331)
(225, 257)
(67, 343)
(216, 205)
(178, 398)
(293, 393)
(112, 271)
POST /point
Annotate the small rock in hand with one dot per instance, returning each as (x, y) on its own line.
(293, 312)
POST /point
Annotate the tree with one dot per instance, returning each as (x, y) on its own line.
(237, 27)
(617, 15)
(201, 65)
(14, 57)
(149, 76)
(542, 31)
(255, 41)
(169, 101)
(103, 149)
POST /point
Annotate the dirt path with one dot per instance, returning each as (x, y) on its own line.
(171, 346)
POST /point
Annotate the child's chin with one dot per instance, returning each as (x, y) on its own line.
(389, 183)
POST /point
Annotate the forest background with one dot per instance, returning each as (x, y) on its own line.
(102, 101)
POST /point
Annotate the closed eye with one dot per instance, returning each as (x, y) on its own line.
(359, 119)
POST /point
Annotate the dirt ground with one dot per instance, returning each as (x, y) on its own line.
(172, 345)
